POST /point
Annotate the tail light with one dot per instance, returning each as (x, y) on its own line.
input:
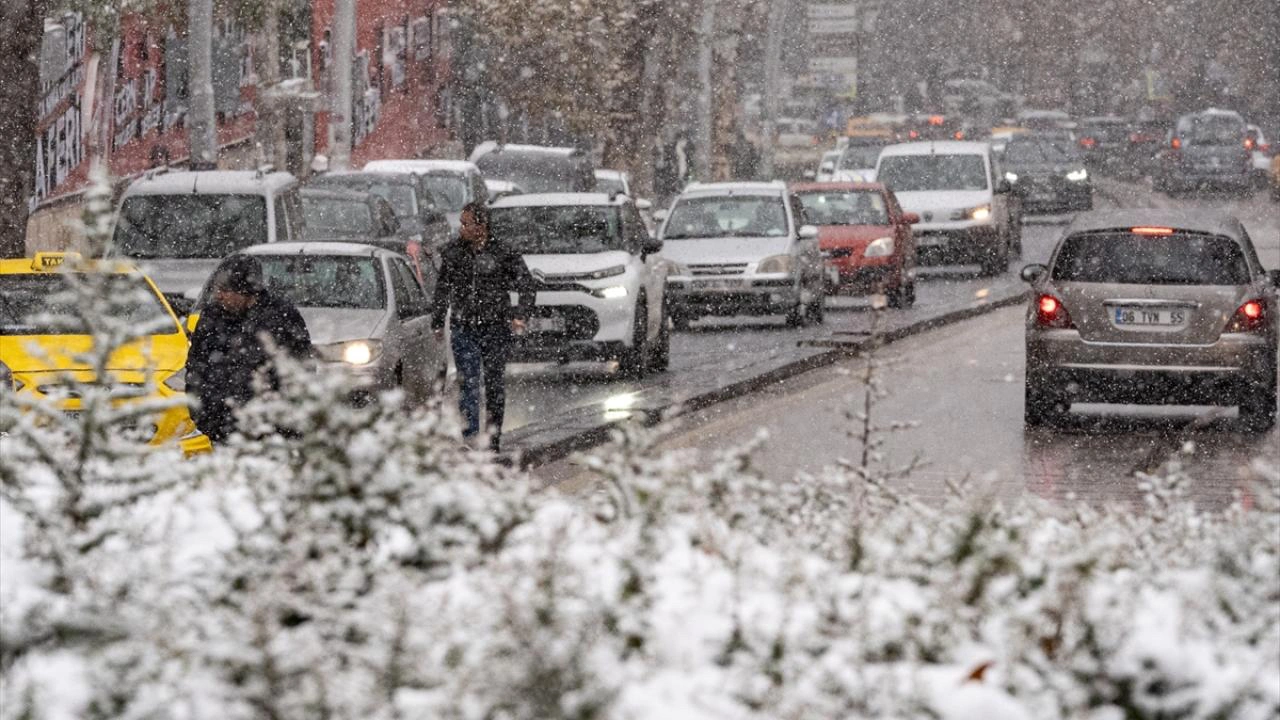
(1249, 143)
(1176, 143)
(1088, 142)
(959, 135)
(914, 134)
(1250, 317)
(1051, 313)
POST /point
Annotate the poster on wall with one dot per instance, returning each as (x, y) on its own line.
(394, 54)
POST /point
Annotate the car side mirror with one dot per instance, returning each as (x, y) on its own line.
(660, 215)
(652, 244)
(643, 204)
(910, 218)
(1032, 273)
(808, 232)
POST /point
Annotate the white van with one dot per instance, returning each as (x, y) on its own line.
(968, 213)
(179, 225)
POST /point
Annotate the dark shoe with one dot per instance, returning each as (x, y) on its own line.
(495, 443)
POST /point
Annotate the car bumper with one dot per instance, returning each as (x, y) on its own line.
(585, 328)
(1151, 374)
(166, 428)
(969, 243)
(860, 274)
(738, 295)
(1057, 197)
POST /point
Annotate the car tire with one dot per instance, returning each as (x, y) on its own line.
(635, 359)
(1042, 407)
(1016, 249)
(681, 321)
(818, 308)
(797, 316)
(904, 295)
(661, 358)
(996, 261)
(1258, 405)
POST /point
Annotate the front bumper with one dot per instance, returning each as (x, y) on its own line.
(1055, 195)
(956, 242)
(853, 274)
(585, 328)
(733, 295)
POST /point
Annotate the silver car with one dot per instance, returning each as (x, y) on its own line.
(365, 310)
(1152, 307)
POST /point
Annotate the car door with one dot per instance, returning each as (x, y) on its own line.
(421, 355)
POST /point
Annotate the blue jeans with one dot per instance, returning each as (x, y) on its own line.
(481, 356)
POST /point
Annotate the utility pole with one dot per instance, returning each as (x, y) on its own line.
(772, 73)
(202, 138)
(344, 52)
(706, 120)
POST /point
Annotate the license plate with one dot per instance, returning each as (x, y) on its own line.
(72, 415)
(1148, 317)
(931, 240)
(546, 325)
(715, 284)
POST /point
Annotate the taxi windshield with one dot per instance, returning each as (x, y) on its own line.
(44, 305)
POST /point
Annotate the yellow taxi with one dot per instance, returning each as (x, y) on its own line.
(40, 350)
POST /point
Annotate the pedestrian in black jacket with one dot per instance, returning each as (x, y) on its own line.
(477, 276)
(229, 348)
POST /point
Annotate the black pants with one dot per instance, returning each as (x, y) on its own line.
(481, 356)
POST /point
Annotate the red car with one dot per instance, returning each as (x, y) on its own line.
(865, 238)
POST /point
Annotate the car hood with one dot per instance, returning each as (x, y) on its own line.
(843, 236)
(26, 354)
(725, 250)
(183, 277)
(334, 325)
(942, 199)
(575, 264)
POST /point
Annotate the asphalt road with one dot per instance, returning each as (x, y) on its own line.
(962, 384)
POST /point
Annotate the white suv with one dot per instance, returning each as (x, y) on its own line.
(966, 207)
(742, 249)
(601, 283)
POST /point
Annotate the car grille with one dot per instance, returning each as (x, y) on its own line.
(580, 323)
(718, 269)
(838, 253)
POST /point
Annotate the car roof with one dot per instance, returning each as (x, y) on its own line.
(210, 182)
(607, 174)
(775, 187)
(421, 166)
(318, 248)
(396, 178)
(1199, 220)
(336, 193)
(490, 146)
(560, 200)
(937, 147)
(819, 186)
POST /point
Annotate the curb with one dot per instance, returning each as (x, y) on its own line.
(836, 350)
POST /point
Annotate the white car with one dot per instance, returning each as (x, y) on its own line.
(610, 181)
(827, 166)
(601, 281)
(452, 183)
(1260, 151)
(742, 249)
(966, 206)
(178, 225)
(857, 162)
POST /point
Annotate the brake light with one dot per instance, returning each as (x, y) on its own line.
(1176, 143)
(1088, 142)
(1248, 143)
(1050, 313)
(1152, 231)
(914, 135)
(959, 135)
(1249, 317)
(936, 120)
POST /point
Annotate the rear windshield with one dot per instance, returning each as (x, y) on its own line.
(1033, 152)
(538, 172)
(324, 214)
(326, 281)
(859, 157)
(189, 226)
(909, 173)
(842, 207)
(399, 195)
(44, 305)
(553, 229)
(1125, 258)
(1211, 130)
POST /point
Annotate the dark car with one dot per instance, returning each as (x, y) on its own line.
(1047, 174)
(1102, 141)
(537, 168)
(421, 218)
(356, 217)
(1145, 140)
(1206, 150)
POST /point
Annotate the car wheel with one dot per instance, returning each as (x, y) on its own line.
(635, 359)
(818, 308)
(797, 315)
(1017, 238)
(904, 295)
(996, 261)
(661, 359)
(1258, 405)
(1042, 407)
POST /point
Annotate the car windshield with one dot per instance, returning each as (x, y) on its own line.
(1212, 130)
(910, 173)
(859, 157)
(330, 215)
(1126, 258)
(535, 173)
(842, 207)
(44, 305)
(399, 195)
(742, 215)
(448, 189)
(552, 230)
(189, 225)
(1035, 152)
(326, 281)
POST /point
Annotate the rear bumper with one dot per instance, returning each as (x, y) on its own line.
(863, 276)
(737, 296)
(1065, 197)
(967, 244)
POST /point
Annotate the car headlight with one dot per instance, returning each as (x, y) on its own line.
(980, 213)
(1078, 175)
(880, 247)
(355, 352)
(614, 271)
(614, 292)
(776, 264)
(1011, 177)
(177, 382)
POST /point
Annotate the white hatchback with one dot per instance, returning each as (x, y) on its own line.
(601, 284)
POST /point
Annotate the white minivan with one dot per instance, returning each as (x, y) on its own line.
(601, 284)
(179, 225)
(968, 213)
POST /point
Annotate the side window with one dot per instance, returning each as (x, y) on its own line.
(635, 229)
(293, 210)
(411, 301)
(281, 218)
(797, 212)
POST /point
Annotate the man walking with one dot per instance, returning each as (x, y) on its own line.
(230, 345)
(477, 276)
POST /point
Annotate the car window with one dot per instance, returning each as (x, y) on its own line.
(1126, 258)
(1211, 130)
(293, 207)
(844, 207)
(448, 188)
(341, 216)
(281, 219)
(559, 229)
(637, 231)
(1035, 151)
(326, 281)
(859, 157)
(32, 304)
(742, 215)
(406, 285)
(911, 173)
(189, 225)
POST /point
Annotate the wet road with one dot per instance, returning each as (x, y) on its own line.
(962, 384)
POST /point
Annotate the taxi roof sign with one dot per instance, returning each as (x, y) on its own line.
(52, 260)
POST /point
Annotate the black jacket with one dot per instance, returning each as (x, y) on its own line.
(228, 351)
(477, 285)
